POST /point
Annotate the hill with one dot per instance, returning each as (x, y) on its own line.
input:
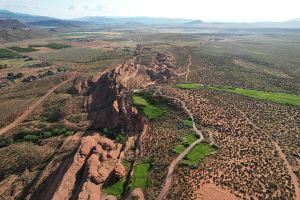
(22, 17)
(11, 23)
(134, 20)
(13, 35)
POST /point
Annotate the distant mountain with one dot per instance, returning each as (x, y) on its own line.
(11, 23)
(98, 20)
(134, 20)
(5, 14)
(294, 20)
(194, 22)
(58, 23)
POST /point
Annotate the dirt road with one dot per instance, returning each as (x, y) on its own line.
(26, 113)
(163, 193)
(188, 71)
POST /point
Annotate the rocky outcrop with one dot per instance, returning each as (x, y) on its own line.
(137, 193)
(110, 105)
(163, 69)
(82, 175)
(119, 171)
(80, 86)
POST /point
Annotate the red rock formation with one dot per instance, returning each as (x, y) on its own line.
(110, 104)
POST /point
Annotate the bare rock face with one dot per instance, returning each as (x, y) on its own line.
(137, 193)
(80, 86)
(110, 104)
(82, 175)
(119, 171)
(163, 69)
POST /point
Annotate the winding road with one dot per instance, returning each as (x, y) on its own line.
(188, 71)
(41, 100)
(163, 193)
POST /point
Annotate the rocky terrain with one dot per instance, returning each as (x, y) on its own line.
(106, 135)
(93, 160)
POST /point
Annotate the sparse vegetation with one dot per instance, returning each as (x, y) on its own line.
(34, 136)
(23, 49)
(7, 54)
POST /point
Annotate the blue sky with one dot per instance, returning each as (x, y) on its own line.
(208, 10)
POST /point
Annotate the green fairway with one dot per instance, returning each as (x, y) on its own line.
(198, 153)
(151, 111)
(188, 123)
(269, 96)
(116, 189)
(140, 175)
(190, 139)
(189, 85)
(179, 148)
(186, 141)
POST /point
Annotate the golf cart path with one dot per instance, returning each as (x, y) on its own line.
(163, 193)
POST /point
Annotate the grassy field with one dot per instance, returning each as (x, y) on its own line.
(7, 54)
(189, 85)
(151, 111)
(140, 176)
(198, 153)
(186, 141)
(115, 189)
(269, 96)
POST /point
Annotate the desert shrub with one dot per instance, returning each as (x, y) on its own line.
(10, 74)
(121, 139)
(61, 69)
(54, 116)
(75, 118)
(4, 142)
(19, 75)
(31, 138)
(47, 134)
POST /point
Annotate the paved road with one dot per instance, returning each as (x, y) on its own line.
(41, 100)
